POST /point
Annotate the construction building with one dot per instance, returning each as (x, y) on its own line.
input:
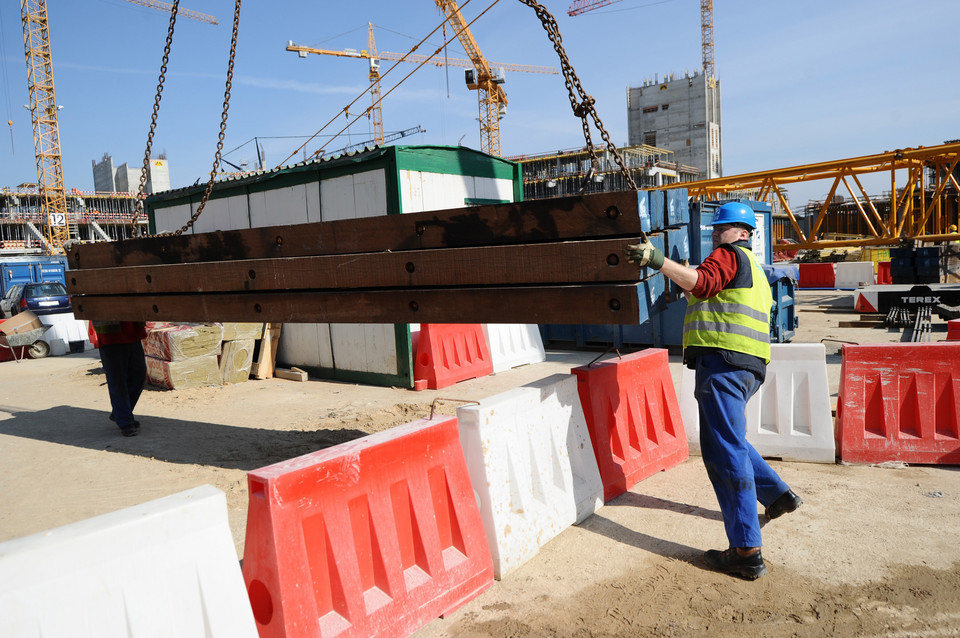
(563, 173)
(126, 179)
(92, 216)
(681, 115)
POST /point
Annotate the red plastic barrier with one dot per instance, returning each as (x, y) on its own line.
(633, 417)
(451, 352)
(817, 276)
(953, 330)
(899, 402)
(883, 273)
(374, 537)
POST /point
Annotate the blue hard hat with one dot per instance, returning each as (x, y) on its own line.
(734, 213)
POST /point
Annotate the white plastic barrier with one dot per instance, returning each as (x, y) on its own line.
(789, 417)
(853, 274)
(64, 329)
(532, 466)
(163, 568)
(513, 344)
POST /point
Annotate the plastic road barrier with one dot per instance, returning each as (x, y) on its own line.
(450, 352)
(532, 467)
(899, 402)
(817, 276)
(374, 537)
(513, 344)
(853, 274)
(883, 273)
(164, 568)
(789, 416)
(953, 330)
(633, 417)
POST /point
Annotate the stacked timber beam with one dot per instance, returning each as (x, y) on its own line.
(545, 261)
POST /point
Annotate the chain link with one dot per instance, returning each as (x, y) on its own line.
(153, 120)
(580, 101)
(223, 124)
(156, 108)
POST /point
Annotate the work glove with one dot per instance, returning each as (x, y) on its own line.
(645, 254)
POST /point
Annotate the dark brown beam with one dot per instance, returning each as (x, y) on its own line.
(595, 261)
(549, 220)
(594, 304)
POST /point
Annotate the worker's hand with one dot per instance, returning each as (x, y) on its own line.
(645, 254)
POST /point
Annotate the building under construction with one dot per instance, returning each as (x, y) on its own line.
(565, 172)
(681, 115)
(126, 179)
(91, 216)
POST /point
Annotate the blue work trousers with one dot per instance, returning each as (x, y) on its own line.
(739, 475)
(126, 372)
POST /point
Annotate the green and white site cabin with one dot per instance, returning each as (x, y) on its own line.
(388, 180)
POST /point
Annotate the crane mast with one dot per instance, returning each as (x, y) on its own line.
(493, 100)
(46, 128)
(706, 37)
(376, 113)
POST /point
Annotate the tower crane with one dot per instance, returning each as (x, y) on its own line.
(183, 13)
(43, 113)
(493, 99)
(706, 27)
(371, 54)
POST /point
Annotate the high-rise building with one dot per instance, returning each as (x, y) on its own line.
(680, 115)
(124, 179)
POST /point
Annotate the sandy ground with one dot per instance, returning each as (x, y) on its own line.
(873, 552)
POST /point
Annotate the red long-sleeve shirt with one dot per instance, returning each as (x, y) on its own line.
(716, 272)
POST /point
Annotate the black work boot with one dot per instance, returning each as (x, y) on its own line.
(729, 561)
(785, 503)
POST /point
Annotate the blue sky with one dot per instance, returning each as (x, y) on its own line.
(802, 82)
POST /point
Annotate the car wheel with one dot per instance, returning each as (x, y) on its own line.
(39, 350)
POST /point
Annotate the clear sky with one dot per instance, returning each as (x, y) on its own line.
(802, 82)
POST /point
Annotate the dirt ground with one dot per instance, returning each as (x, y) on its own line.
(873, 551)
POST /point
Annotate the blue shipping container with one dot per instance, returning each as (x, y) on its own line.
(33, 269)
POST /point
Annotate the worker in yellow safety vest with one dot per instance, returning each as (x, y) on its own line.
(726, 340)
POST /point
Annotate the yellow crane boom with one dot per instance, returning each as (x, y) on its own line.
(493, 100)
(184, 13)
(371, 54)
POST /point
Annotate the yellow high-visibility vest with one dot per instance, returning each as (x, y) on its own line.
(735, 319)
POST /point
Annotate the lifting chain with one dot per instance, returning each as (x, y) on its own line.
(583, 104)
(153, 119)
(223, 120)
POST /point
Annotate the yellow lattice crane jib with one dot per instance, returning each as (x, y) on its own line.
(493, 100)
(371, 54)
(184, 13)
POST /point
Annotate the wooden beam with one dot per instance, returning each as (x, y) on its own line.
(617, 214)
(625, 303)
(595, 261)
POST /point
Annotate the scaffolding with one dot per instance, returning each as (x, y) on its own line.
(564, 172)
(93, 217)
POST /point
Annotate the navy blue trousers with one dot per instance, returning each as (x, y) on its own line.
(739, 475)
(126, 372)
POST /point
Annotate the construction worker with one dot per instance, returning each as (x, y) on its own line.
(726, 340)
(124, 366)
